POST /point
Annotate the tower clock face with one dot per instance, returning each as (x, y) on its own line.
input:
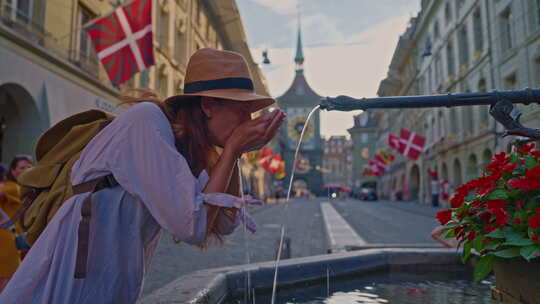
(296, 119)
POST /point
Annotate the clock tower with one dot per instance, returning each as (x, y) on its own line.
(297, 102)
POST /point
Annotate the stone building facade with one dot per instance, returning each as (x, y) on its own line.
(458, 46)
(337, 161)
(49, 69)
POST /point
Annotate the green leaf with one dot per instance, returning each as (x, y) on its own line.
(478, 243)
(508, 253)
(519, 242)
(498, 194)
(530, 252)
(450, 234)
(494, 244)
(514, 158)
(530, 162)
(466, 251)
(511, 234)
(496, 234)
(483, 267)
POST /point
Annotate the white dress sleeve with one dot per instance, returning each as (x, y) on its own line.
(148, 166)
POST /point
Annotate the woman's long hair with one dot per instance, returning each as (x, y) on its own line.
(190, 127)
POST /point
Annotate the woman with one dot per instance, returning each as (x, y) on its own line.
(9, 204)
(160, 154)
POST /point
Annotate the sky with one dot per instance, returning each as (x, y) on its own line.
(348, 45)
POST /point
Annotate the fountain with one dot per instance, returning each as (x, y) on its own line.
(406, 275)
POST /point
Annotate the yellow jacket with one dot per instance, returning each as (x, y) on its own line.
(9, 256)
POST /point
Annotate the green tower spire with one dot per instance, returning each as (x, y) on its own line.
(299, 58)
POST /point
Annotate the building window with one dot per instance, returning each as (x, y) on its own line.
(463, 44)
(453, 121)
(438, 72)
(534, 14)
(144, 79)
(442, 125)
(436, 30)
(478, 35)
(86, 56)
(180, 42)
(505, 27)
(447, 13)
(20, 10)
(365, 138)
(537, 71)
(510, 82)
(421, 83)
(450, 61)
(163, 36)
(484, 110)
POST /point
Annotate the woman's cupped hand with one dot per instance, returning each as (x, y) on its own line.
(255, 133)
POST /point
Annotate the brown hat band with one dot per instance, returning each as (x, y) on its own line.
(218, 84)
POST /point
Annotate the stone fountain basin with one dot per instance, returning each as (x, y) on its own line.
(211, 286)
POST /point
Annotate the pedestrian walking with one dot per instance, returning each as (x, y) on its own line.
(168, 174)
(10, 202)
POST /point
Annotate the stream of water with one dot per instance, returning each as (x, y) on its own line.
(280, 248)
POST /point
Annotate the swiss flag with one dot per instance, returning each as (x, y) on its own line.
(123, 40)
(275, 164)
(374, 168)
(265, 157)
(394, 141)
(411, 144)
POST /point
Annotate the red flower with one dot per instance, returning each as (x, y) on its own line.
(534, 221)
(509, 167)
(444, 216)
(485, 216)
(526, 148)
(471, 236)
(501, 217)
(536, 153)
(457, 200)
(534, 237)
(489, 229)
(458, 230)
(477, 204)
(496, 204)
(525, 183)
(533, 173)
(517, 220)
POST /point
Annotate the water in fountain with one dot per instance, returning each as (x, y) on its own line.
(280, 248)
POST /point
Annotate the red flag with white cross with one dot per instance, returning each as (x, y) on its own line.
(123, 40)
(411, 144)
(394, 142)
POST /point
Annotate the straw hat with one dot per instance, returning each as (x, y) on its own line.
(220, 74)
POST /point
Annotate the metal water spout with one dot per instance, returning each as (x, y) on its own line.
(501, 103)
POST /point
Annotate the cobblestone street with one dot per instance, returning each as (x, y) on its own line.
(381, 222)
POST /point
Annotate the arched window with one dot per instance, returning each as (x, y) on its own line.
(458, 177)
(472, 167)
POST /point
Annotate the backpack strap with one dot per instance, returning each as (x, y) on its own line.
(28, 200)
(92, 186)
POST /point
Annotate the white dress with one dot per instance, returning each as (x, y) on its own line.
(157, 190)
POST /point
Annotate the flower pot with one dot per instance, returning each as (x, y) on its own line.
(517, 281)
